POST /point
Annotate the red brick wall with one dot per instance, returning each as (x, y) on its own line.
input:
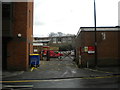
(109, 47)
(29, 29)
(107, 50)
(18, 48)
(30, 25)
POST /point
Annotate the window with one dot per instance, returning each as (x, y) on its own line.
(69, 38)
(54, 40)
(6, 10)
(29, 18)
(6, 19)
(59, 40)
(64, 40)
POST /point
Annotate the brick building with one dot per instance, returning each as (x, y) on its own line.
(17, 34)
(107, 46)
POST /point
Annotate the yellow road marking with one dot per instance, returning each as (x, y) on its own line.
(27, 81)
(59, 79)
(32, 69)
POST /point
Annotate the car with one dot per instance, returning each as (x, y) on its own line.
(52, 53)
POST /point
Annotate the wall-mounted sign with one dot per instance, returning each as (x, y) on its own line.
(90, 52)
(91, 49)
(103, 35)
(85, 49)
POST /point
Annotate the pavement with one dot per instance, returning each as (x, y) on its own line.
(107, 71)
(112, 69)
(6, 74)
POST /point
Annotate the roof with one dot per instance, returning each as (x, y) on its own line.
(104, 28)
(55, 37)
(41, 41)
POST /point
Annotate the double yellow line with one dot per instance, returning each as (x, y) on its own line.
(93, 77)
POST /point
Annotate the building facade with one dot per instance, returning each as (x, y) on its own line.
(55, 40)
(107, 46)
(17, 34)
(63, 42)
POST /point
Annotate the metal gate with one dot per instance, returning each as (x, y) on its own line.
(67, 55)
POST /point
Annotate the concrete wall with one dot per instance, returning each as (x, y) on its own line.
(19, 48)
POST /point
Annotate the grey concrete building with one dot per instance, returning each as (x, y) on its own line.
(53, 41)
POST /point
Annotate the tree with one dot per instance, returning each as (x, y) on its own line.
(66, 47)
(60, 34)
(52, 34)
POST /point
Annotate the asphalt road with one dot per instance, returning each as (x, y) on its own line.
(62, 74)
(66, 83)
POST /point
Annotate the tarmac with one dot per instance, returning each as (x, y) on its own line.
(61, 73)
(109, 70)
(104, 70)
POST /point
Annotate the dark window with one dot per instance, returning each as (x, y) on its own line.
(59, 39)
(29, 18)
(6, 10)
(7, 19)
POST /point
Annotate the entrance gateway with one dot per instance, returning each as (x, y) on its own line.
(67, 55)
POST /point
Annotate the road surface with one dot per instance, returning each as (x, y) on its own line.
(62, 74)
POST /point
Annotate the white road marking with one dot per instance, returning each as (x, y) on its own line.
(19, 86)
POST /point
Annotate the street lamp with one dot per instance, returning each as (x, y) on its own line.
(95, 43)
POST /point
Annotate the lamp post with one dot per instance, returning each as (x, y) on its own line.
(95, 43)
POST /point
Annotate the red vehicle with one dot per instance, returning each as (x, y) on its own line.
(52, 53)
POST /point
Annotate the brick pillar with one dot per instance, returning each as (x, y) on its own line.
(20, 47)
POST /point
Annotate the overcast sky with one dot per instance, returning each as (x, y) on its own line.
(68, 16)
